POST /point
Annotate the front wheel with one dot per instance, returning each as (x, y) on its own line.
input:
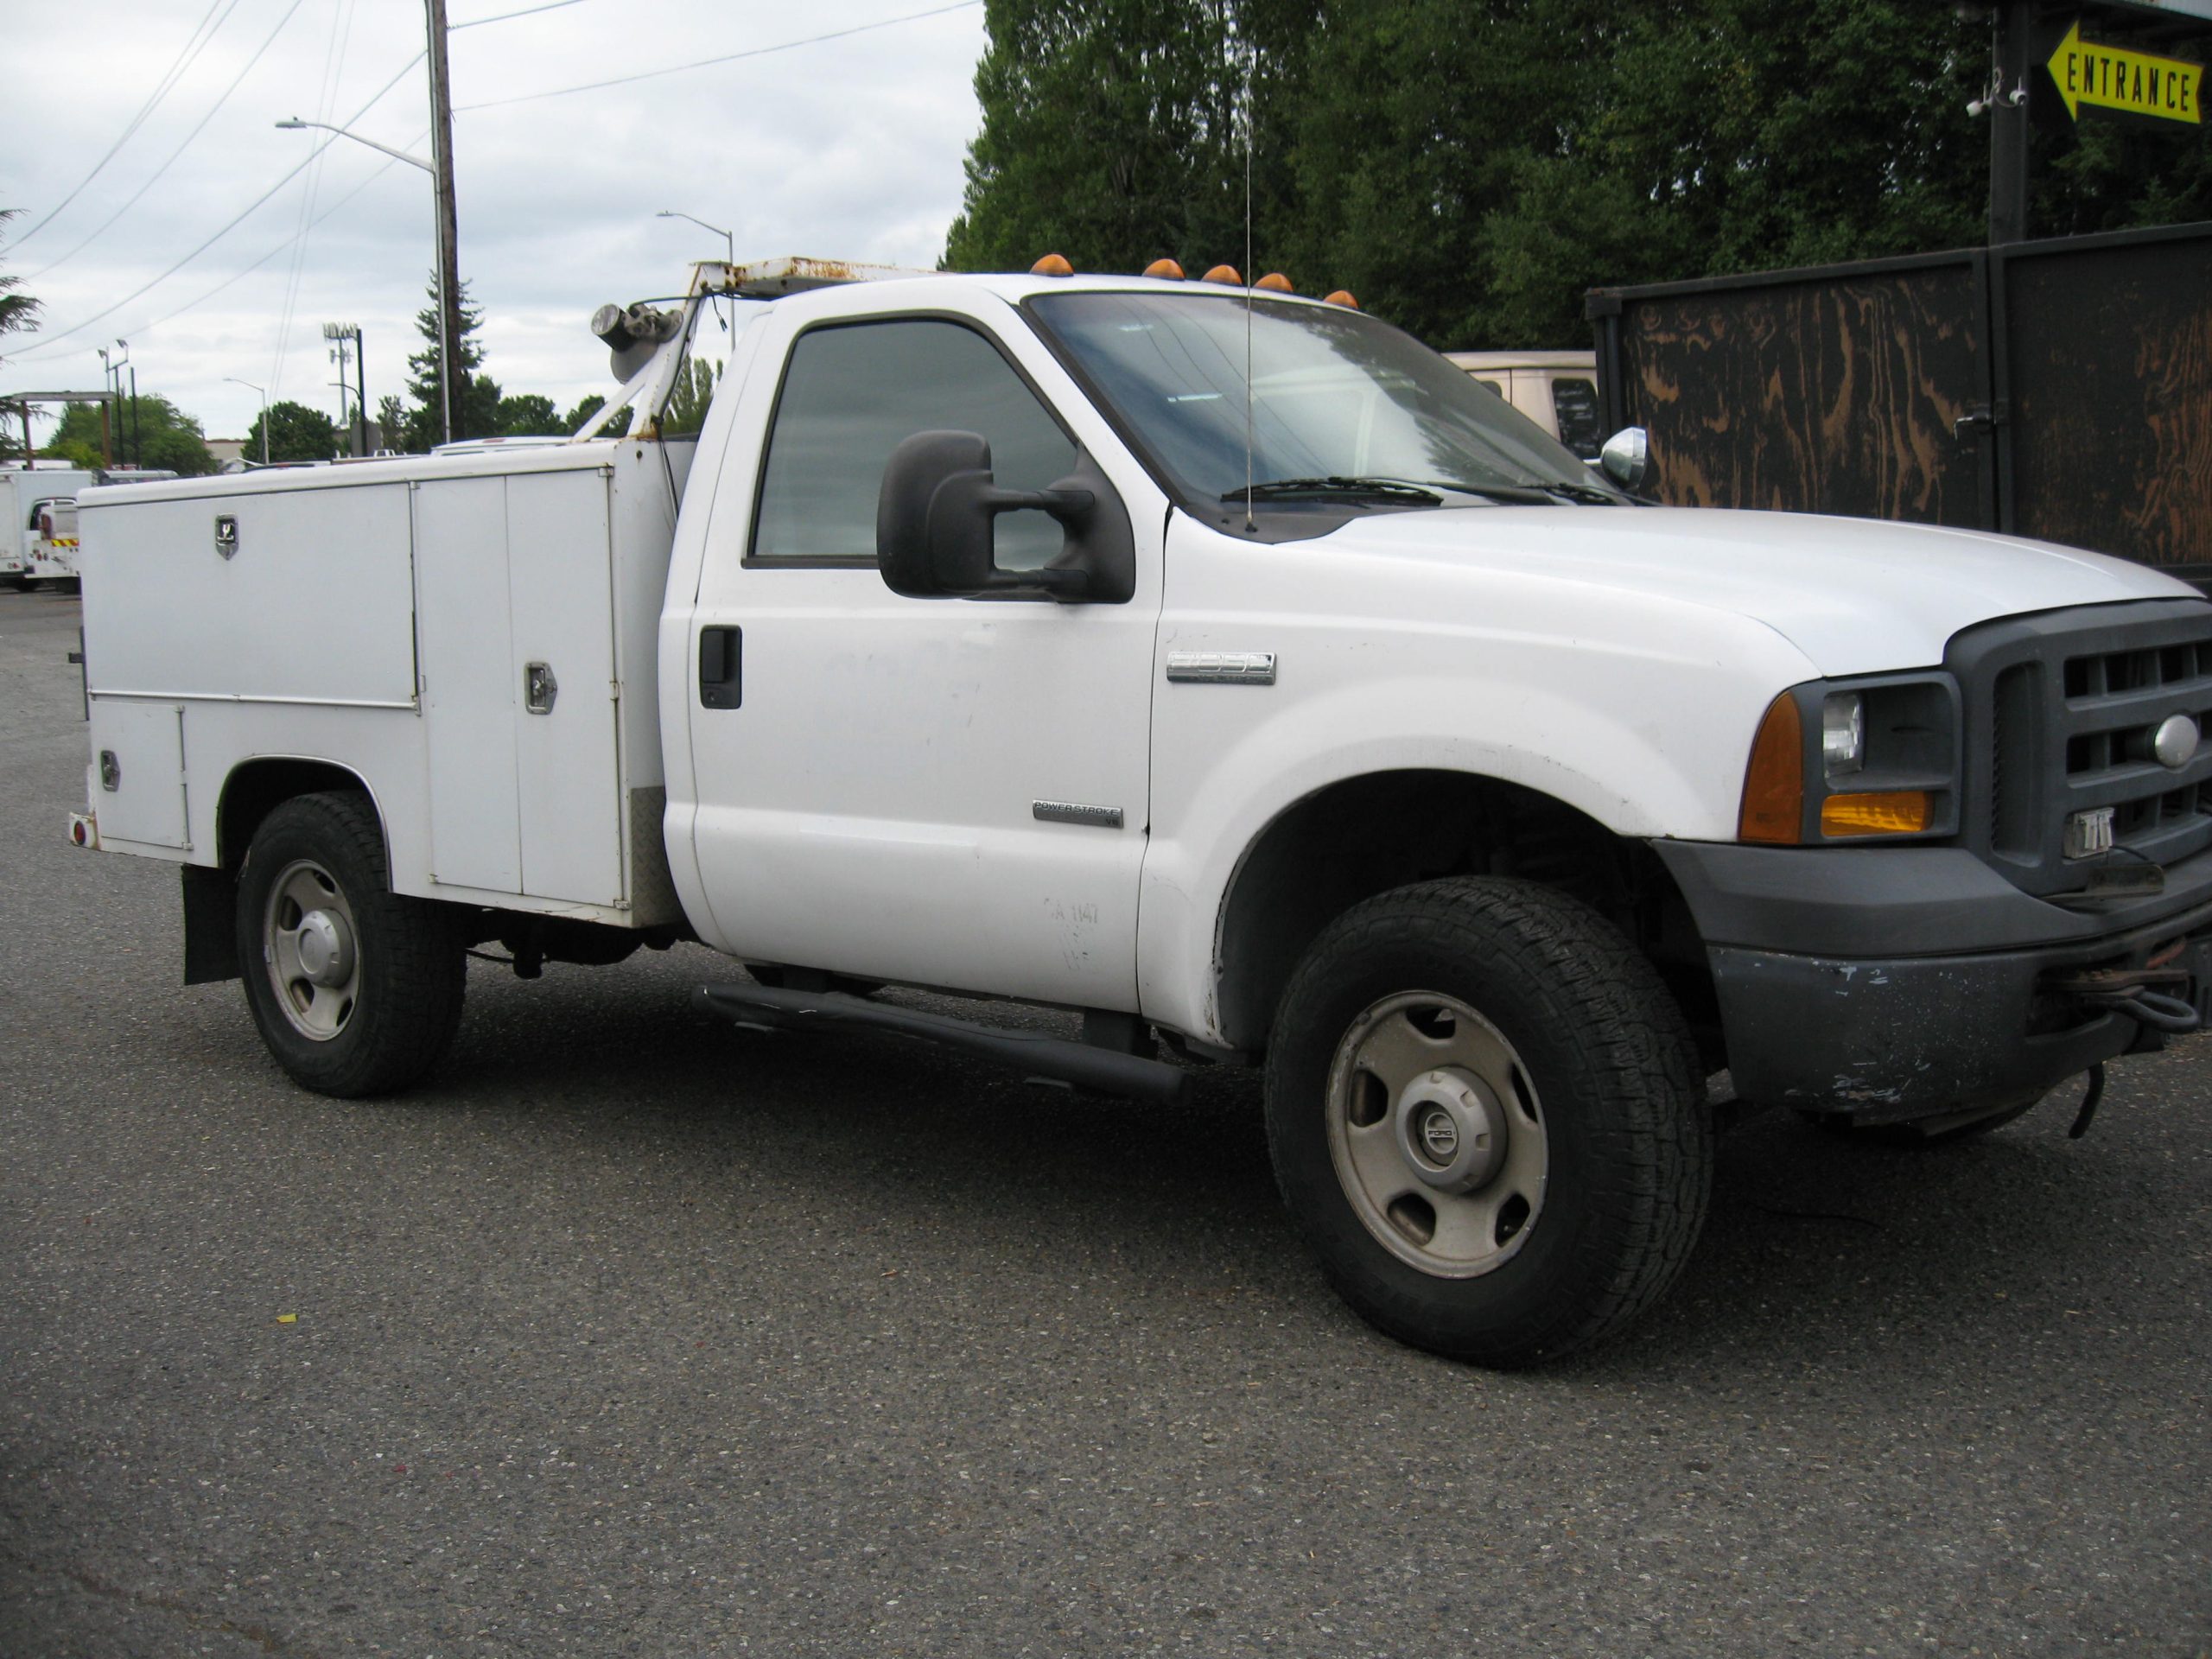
(1486, 1116)
(356, 990)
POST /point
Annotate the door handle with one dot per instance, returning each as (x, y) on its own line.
(722, 659)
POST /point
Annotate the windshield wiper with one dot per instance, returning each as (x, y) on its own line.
(1371, 489)
(1588, 494)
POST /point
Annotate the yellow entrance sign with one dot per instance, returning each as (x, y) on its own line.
(2134, 83)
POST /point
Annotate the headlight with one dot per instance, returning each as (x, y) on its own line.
(1843, 732)
(1887, 764)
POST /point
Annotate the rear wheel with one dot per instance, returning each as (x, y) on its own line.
(1486, 1116)
(356, 990)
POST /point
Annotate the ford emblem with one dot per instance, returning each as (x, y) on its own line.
(2176, 741)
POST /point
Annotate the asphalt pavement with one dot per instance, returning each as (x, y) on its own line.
(632, 1333)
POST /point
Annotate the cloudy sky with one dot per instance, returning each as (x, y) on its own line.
(848, 148)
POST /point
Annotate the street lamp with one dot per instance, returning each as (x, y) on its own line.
(343, 333)
(107, 422)
(670, 212)
(448, 299)
(233, 380)
(137, 455)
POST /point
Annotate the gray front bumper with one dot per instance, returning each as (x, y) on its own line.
(1890, 983)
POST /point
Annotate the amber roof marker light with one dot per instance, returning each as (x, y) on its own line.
(1225, 275)
(1164, 268)
(1053, 264)
(1275, 282)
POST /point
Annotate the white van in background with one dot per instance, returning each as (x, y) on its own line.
(1556, 389)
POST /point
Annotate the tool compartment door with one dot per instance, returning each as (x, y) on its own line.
(569, 781)
(516, 621)
(138, 791)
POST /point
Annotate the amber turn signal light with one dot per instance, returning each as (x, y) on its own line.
(1774, 784)
(1878, 812)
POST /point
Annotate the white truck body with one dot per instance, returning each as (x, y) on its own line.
(23, 492)
(53, 555)
(385, 614)
(1154, 807)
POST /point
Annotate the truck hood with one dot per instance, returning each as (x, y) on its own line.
(1854, 595)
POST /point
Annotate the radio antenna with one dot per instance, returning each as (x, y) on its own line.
(1250, 525)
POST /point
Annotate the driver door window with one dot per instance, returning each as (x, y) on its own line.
(852, 393)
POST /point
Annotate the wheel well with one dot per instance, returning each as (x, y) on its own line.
(1367, 835)
(258, 788)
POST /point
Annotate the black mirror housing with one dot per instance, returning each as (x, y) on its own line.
(937, 506)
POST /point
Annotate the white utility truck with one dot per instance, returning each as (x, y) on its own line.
(24, 493)
(1007, 635)
(53, 553)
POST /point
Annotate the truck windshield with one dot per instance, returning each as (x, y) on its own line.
(1341, 404)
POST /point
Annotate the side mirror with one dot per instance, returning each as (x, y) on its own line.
(939, 504)
(1626, 457)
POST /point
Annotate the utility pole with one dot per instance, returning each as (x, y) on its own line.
(449, 372)
(342, 335)
(110, 379)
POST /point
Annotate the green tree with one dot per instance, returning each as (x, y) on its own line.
(167, 438)
(1469, 167)
(479, 413)
(528, 414)
(296, 432)
(1112, 131)
(17, 310)
(589, 406)
(695, 389)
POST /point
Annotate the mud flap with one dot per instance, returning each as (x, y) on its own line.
(210, 927)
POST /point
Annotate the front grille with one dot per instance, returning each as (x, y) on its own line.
(2062, 709)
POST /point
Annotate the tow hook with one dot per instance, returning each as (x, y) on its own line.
(2128, 991)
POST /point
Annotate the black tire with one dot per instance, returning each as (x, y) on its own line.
(388, 1001)
(1570, 1020)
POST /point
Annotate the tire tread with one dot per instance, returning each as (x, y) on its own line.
(1658, 1149)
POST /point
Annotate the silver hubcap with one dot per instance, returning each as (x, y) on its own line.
(307, 944)
(1436, 1134)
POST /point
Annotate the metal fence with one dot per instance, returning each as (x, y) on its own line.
(2060, 389)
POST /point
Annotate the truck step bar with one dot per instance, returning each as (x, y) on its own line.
(1053, 1060)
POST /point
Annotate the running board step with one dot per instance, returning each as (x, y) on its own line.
(1055, 1059)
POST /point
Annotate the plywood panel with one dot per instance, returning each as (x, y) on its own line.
(1834, 394)
(2111, 398)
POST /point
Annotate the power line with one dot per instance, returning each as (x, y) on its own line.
(155, 177)
(728, 57)
(527, 11)
(245, 271)
(49, 340)
(334, 66)
(193, 45)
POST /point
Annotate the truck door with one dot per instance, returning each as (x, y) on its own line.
(941, 792)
